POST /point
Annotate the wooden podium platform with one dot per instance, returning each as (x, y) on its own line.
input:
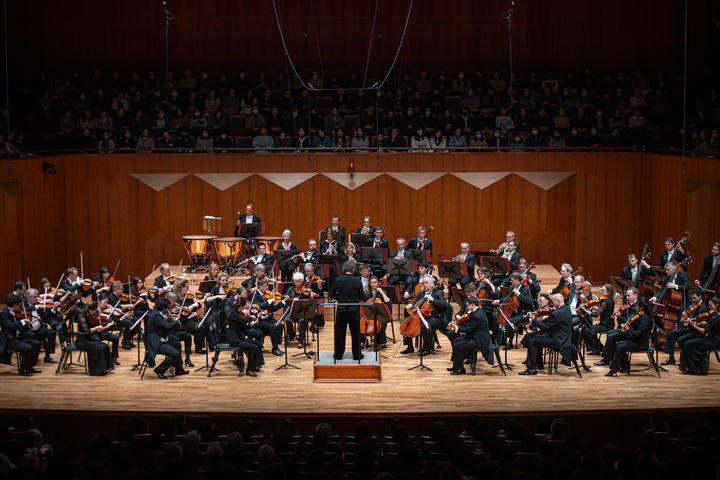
(347, 370)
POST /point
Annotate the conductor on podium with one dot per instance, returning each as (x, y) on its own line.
(347, 289)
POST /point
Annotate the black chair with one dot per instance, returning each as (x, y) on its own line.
(18, 359)
(66, 358)
(495, 351)
(706, 367)
(222, 347)
(146, 363)
(650, 351)
(554, 360)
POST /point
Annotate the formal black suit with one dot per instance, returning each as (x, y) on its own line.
(397, 279)
(347, 289)
(68, 286)
(96, 351)
(470, 264)
(517, 318)
(683, 284)
(438, 318)
(287, 268)
(264, 259)
(161, 282)
(266, 325)
(619, 343)
(243, 219)
(555, 331)
(475, 333)
(159, 341)
(604, 312)
(678, 256)
(706, 274)
(514, 260)
(9, 341)
(235, 336)
(414, 244)
(641, 270)
(682, 334)
(308, 257)
(693, 355)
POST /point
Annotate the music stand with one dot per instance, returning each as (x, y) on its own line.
(498, 266)
(359, 239)
(507, 323)
(371, 255)
(248, 231)
(399, 267)
(132, 327)
(207, 285)
(452, 269)
(420, 255)
(376, 311)
(620, 284)
(459, 295)
(331, 260)
(393, 292)
(299, 310)
(423, 324)
(283, 258)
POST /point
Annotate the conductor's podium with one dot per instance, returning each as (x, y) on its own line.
(369, 369)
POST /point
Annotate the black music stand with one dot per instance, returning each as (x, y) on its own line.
(399, 267)
(371, 255)
(393, 292)
(420, 255)
(498, 266)
(451, 270)
(207, 285)
(207, 346)
(295, 316)
(299, 309)
(621, 284)
(376, 311)
(420, 365)
(331, 260)
(283, 258)
(248, 231)
(459, 295)
(140, 337)
(508, 324)
(359, 239)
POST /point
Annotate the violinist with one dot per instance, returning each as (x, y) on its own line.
(400, 254)
(89, 340)
(165, 280)
(219, 301)
(532, 280)
(178, 334)
(258, 274)
(105, 281)
(436, 319)
(160, 341)
(299, 290)
(684, 332)
(213, 272)
(694, 353)
(98, 313)
(634, 336)
(473, 334)
(262, 257)
(632, 308)
(188, 316)
(50, 308)
(71, 282)
(9, 338)
(87, 292)
(19, 288)
(347, 289)
(522, 292)
(39, 327)
(565, 284)
(312, 281)
(338, 230)
(311, 255)
(709, 273)
(421, 242)
(674, 279)
(555, 331)
(140, 297)
(366, 228)
(286, 268)
(604, 309)
(238, 320)
(266, 323)
(469, 259)
(119, 298)
(672, 253)
(370, 296)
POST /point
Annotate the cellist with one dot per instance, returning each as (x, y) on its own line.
(370, 296)
(435, 319)
(522, 293)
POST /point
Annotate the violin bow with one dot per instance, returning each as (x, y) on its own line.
(116, 268)
(82, 268)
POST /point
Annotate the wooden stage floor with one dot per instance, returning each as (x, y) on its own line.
(401, 392)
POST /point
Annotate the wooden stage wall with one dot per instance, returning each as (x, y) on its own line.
(611, 205)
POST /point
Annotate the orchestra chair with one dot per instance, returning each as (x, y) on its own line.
(554, 360)
(650, 353)
(144, 365)
(495, 351)
(222, 347)
(18, 358)
(706, 366)
(65, 362)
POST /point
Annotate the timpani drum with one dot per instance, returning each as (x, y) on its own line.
(228, 249)
(198, 247)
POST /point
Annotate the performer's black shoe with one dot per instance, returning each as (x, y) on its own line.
(49, 360)
(459, 371)
(160, 375)
(34, 370)
(115, 361)
(611, 373)
(669, 361)
(250, 373)
(188, 363)
(424, 353)
(528, 372)
(407, 350)
(601, 363)
(181, 372)
(361, 357)
(25, 373)
(278, 352)
(566, 363)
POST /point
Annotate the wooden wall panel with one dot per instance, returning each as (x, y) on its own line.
(610, 206)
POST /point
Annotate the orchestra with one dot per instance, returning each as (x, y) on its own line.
(175, 314)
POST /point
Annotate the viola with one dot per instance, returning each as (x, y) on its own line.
(194, 296)
(23, 315)
(700, 318)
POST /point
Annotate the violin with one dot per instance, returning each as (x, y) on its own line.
(513, 301)
(596, 302)
(303, 291)
(620, 310)
(273, 296)
(314, 280)
(584, 291)
(194, 296)
(632, 319)
(23, 315)
(565, 289)
(700, 318)
(543, 311)
(690, 310)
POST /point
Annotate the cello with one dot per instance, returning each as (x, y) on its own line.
(411, 326)
(370, 327)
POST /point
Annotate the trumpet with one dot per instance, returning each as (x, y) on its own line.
(500, 248)
(458, 257)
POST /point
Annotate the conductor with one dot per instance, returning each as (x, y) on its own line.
(347, 289)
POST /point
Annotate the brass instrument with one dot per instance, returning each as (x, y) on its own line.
(500, 248)
(365, 230)
(458, 257)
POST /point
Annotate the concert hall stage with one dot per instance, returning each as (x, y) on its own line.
(291, 392)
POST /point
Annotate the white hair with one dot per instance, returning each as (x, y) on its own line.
(287, 230)
(298, 276)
